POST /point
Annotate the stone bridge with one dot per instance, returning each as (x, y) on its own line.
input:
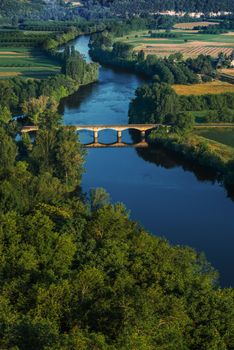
(118, 128)
(142, 128)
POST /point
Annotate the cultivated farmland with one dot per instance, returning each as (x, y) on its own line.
(191, 25)
(228, 71)
(189, 43)
(192, 49)
(215, 87)
(25, 62)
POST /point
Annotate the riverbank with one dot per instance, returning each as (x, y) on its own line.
(204, 152)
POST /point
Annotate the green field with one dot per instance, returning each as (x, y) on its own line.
(26, 62)
(224, 136)
(144, 37)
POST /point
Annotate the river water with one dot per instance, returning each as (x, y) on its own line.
(179, 201)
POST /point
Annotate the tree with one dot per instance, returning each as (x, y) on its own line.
(70, 157)
(98, 198)
(5, 115)
(141, 56)
(182, 122)
(152, 103)
(38, 110)
(122, 50)
(8, 152)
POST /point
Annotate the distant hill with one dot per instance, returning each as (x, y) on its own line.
(160, 5)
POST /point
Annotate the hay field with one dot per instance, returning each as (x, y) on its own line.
(215, 87)
(190, 49)
(228, 71)
(191, 25)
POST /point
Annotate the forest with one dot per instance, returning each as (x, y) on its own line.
(77, 273)
(145, 6)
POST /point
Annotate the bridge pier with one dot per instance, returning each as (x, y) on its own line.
(95, 136)
(143, 135)
(119, 133)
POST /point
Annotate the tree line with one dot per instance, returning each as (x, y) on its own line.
(19, 38)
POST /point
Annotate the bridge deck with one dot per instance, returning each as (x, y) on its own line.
(140, 127)
(116, 127)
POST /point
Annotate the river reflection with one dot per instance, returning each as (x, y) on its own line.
(170, 197)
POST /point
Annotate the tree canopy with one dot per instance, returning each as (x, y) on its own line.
(77, 273)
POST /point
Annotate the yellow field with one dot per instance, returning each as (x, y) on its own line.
(229, 71)
(191, 25)
(215, 87)
(189, 49)
(10, 74)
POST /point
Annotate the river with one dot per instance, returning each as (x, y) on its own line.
(181, 202)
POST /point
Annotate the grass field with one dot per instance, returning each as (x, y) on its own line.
(224, 136)
(214, 87)
(25, 62)
(189, 42)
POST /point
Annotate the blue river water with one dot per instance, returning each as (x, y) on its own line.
(181, 202)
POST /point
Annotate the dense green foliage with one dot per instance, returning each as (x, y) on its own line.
(124, 7)
(155, 103)
(75, 271)
(78, 274)
(12, 7)
(56, 9)
(19, 38)
(78, 23)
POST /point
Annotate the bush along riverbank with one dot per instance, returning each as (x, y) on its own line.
(194, 148)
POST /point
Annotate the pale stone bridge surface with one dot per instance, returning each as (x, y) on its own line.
(97, 128)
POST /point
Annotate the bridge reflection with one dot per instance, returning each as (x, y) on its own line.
(142, 144)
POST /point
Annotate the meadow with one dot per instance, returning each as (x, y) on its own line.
(26, 62)
(224, 136)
